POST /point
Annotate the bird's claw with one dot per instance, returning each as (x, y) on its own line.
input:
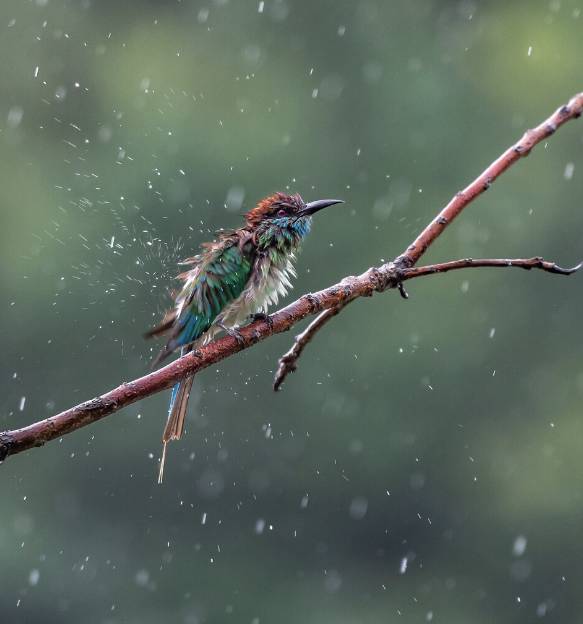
(237, 335)
(261, 316)
(232, 332)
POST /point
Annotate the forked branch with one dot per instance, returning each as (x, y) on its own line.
(288, 362)
(420, 245)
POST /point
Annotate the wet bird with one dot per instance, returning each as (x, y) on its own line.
(236, 277)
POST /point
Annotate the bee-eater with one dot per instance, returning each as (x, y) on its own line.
(237, 276)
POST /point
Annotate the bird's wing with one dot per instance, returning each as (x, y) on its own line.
(221, 278)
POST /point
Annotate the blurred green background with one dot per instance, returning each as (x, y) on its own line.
(445, 430)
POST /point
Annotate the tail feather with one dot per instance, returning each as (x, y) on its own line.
(175, 424)
(176, 413)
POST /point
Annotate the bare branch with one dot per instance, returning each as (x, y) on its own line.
(530, 263)
(483, 182)
(287, 362)
(332, 300)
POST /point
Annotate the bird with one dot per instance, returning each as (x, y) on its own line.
(234, 278)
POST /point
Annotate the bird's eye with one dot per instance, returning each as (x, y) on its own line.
(281, 212)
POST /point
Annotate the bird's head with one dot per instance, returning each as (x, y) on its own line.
(284, 210)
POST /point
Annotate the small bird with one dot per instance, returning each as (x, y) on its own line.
(236, 277)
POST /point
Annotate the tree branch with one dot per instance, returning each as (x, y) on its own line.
(288, 362)
(482, 183)
(531, 263)
(331, 300)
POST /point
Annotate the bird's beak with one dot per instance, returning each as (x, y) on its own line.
(314, 206)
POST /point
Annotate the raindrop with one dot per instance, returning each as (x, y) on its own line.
(520, 570)
(14, 116)
(252, 55)
(333, 581)
(142, 577)
(358, 507)
(417, 481)
(104, 134)
(382, 207)
(33, 577)
(372, 71)
(279, 11)
(235, 198)
(569, 171)
(519, 546)
(211, 484)
(331, 87)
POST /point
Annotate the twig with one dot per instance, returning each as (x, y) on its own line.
(530, 263)
(390, 275)
(287, 362)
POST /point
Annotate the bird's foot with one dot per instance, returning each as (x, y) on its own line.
(261, 316)
(197, 353)
(231, 332)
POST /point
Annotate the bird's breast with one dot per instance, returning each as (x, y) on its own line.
(269, 279)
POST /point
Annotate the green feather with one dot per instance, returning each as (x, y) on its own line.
(222, 277)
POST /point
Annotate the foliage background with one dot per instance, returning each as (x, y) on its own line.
(446, 429)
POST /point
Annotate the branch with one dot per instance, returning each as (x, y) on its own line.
(336, 297)
(482, 183)
(350, 288)
(288, 362)
(531, 263)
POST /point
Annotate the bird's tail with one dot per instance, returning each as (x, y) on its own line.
(176, 412)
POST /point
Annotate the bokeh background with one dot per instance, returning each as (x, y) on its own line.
(425, 462)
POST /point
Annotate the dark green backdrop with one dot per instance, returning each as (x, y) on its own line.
(446, 430)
